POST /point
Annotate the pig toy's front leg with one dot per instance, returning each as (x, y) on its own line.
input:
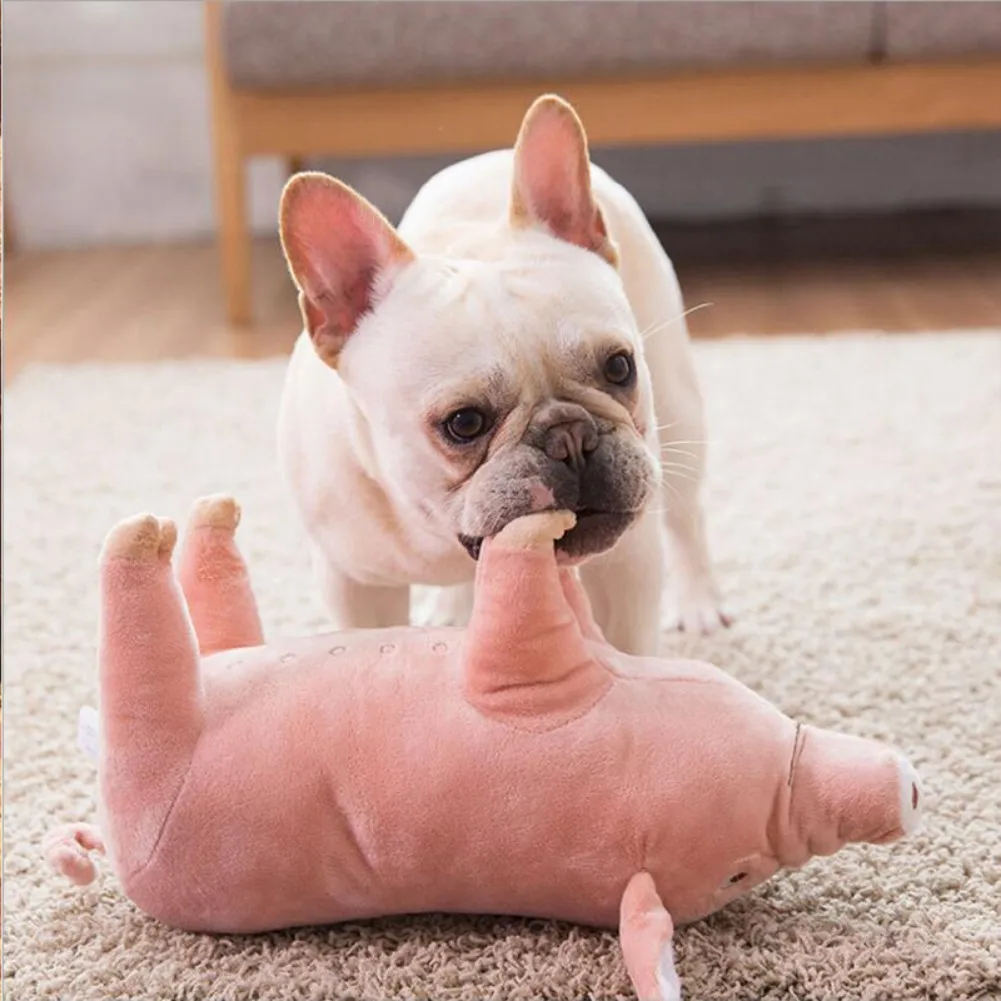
(527, 655)
(645, 934)
(530, 661)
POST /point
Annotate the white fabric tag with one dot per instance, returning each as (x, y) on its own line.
(88, 735)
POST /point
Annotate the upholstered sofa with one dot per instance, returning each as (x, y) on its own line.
(307, 78)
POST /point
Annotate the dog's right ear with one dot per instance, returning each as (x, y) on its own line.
(341, 251)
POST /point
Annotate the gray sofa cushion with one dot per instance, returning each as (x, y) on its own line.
(919, 30)
(274, 44)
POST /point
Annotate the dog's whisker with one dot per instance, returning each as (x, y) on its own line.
(682, 441)
(670, 487)
(670, 462)
(662, 325)
(678, 451)
(668, 478)
(676, 474)
(667, 427)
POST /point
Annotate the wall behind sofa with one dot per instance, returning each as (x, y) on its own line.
(106, 139)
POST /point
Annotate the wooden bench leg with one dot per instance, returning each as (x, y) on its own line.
(234, 234)
(230, 179)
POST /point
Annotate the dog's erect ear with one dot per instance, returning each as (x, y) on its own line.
(552, 178)
(340, 250)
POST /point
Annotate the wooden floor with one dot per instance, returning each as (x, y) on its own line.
(146, 303)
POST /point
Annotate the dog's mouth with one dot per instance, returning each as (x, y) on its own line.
(594, 533)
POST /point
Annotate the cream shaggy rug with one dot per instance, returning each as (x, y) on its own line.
(854, 506)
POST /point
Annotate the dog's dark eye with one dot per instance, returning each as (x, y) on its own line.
(619, 369)
(737, 878)
(466, 425)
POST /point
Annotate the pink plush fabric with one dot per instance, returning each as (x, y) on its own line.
(521, 766)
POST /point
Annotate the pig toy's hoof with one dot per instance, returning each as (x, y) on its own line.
(143, 538)
(536, 531)
(911, 796)
(215, 511)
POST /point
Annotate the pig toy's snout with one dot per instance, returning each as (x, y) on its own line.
(909, 806)
(847, 789)
(911, 796)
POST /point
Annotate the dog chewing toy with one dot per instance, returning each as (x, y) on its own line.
(520, 766)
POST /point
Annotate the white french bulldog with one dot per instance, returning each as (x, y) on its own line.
(517, 344)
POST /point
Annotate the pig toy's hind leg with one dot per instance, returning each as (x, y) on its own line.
(150, 688)
(645, 933)
(214, 578)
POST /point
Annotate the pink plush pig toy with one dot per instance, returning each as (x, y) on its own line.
(521, 766)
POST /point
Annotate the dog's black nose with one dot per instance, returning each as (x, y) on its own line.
(571, 442)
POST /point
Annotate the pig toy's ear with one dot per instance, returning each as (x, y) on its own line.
(645, 935)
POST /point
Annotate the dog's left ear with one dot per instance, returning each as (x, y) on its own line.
(552, 178)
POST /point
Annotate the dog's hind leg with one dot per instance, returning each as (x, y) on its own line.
(215, 580)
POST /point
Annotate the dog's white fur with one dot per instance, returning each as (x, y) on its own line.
(495, 267)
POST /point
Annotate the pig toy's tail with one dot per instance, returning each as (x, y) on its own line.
(67, 849)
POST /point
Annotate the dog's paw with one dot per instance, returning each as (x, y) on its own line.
(702, 619)
(698, 610)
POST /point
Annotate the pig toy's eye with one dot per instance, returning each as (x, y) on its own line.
(744, 873)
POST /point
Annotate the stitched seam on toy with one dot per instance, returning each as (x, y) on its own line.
(663, 681)
(166, 819)
(514, 723)
(797, 749)
(799, 742)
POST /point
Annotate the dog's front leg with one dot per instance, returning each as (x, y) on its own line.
(683, 455)
(360, 606)
(625, 587)
(697, 607)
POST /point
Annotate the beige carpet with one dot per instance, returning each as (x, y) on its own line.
(854, 507)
